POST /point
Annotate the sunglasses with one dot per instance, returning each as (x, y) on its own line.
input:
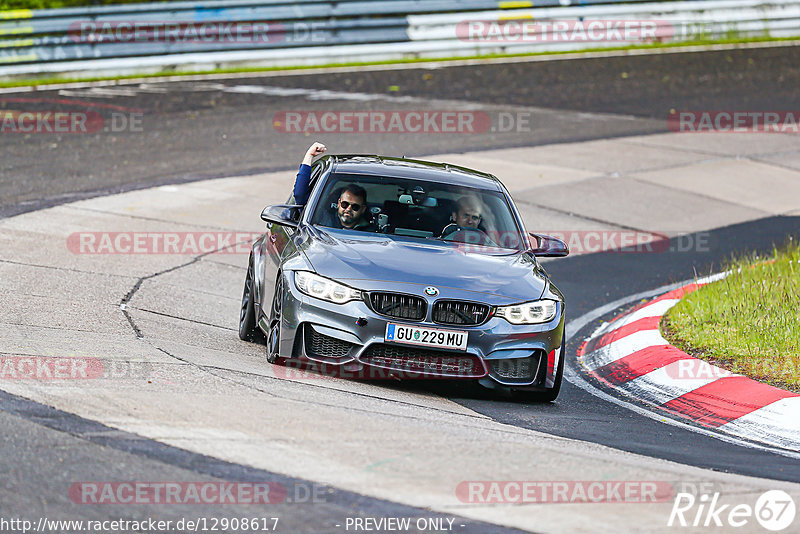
(345, 204)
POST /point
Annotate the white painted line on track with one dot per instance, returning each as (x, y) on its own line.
(655, 309)
(781, 414)
(644, 339)
(577, 380)
(574, 377)
(577, 324)
(690, 387)
(661, 386)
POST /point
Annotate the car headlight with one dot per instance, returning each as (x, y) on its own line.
(323, 288)
(537, 311)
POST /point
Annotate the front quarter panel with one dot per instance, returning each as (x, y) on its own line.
(258, 255)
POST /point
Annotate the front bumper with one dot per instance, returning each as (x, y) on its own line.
(351, 337)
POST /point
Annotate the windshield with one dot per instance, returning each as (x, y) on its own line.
(418, 209)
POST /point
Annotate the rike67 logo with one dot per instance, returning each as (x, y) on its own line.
(774, 510)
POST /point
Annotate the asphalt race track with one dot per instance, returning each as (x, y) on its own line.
(204, 129)
(620, 428)
(202, 132)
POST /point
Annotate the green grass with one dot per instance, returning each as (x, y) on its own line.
(24, 81)
(748, 322)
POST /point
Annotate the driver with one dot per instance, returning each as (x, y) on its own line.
(351, 209)
(468, 212)
(468, 216)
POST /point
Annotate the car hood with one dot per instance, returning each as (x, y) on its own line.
(344, 255)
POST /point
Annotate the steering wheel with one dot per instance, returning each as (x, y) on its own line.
(466, 234)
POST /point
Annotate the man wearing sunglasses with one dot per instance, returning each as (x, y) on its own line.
(351, 209)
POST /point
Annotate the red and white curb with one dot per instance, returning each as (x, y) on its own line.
(630, 355)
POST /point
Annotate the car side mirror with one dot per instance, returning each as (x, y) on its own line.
(549, 247)
(282, 214)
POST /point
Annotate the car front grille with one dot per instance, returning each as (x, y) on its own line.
(458, 312)
(398, 305)
(515, 369)
(325, 347)
(423, 362)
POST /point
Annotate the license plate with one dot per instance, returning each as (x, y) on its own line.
(426, 337)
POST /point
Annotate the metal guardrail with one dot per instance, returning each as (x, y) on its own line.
(55, 34)
(138, 37)
(674, 21)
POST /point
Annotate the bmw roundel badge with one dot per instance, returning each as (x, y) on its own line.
(431, 291)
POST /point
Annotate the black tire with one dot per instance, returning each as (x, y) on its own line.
(274, 335)
(551, 394)
(248, 325)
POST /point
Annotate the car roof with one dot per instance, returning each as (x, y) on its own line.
(374, 165)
